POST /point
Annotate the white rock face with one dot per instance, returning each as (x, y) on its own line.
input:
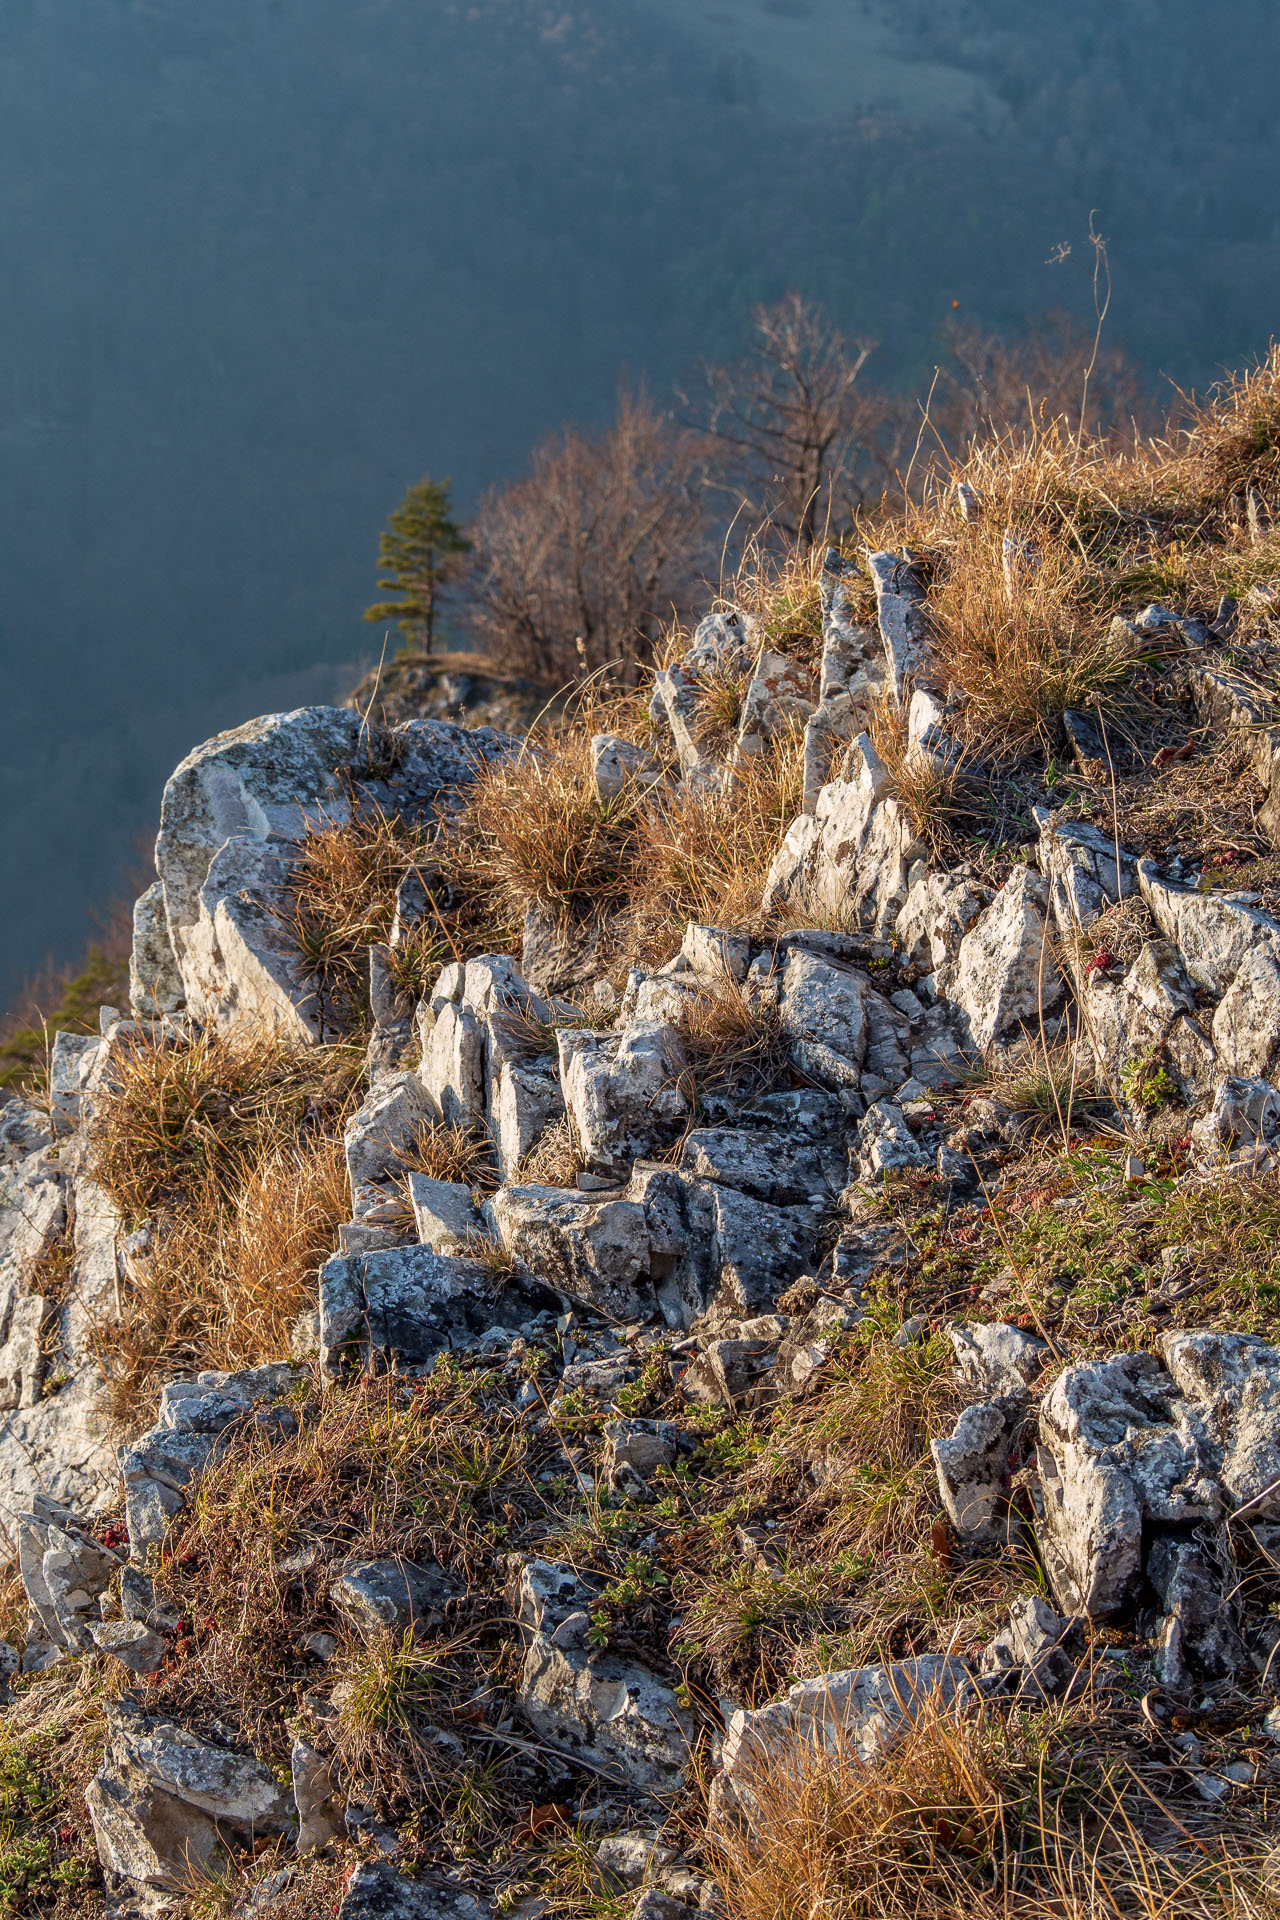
(823, 1006)
(1234, 1381)
(591, 1703)
(386, 1120)
(1005, 972)
(903, 614)
(1246, 1022)
(407, 1304)
(1240, 1128)
(231, 814)
(444, 1213)
(1214, 935)
(779, 699)
(973, 1469)
(1119, 1448)
(675, 705)
(938, 911)
(161, 1467)
(63, 1570)
(853, 854)
(620, 1091)
(666, 1243)
(54, 1438)
(165, 1804)
(857, 1711)
(998, 1358)
(713, 950)
(155, 984)
(1080, 862)
(885, 1142)
(476, 1065)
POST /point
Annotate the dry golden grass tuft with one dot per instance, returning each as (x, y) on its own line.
(935, 796)
(979, 1815)
(534, 830)
(706, 854)
(554, 1159)
(1022, 655)
(731, 1044)
(187, 1113)
(1232, 439)
(782, 591)
(233, 1152)
(451, 1150)
(340, 899)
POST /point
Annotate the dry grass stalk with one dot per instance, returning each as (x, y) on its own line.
(731, 1044)
(451, 1150)
(967, 1814)
(233, 1151)
(191, 1112)
(340, 899)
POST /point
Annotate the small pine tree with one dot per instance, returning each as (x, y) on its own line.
(422, 550)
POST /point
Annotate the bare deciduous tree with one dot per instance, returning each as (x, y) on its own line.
(792, 430)
(578, 565)
(988, 381)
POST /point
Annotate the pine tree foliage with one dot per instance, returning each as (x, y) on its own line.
(422, 550)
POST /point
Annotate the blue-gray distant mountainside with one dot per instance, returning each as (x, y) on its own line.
(265, 262)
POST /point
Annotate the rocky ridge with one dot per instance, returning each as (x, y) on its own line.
(737, 1239)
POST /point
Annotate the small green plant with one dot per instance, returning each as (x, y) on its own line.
(1147, 1084)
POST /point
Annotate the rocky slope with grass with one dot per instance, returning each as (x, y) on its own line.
(680, 1313)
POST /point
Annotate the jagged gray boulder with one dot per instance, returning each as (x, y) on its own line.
(169, 1809)
(938, 911)
(444, 1213)
(998, 1358)
(407, 1304)
(1030, 1657)
(1150, 1014)
(488, 1054)
(823, 1007)
(666, 1244)
(1241, 1126)
(583, 1701)
(621, 1091)
(64, 1569)
(1079, 862)
(854, 854)
(1120, 1450)
(886, 1144)
(973, 1466)
(1246, 1021)
(318, 1799)
(160, 1467)
(674, 706)
(395, 1596)
(1214, 934)
(1005, 975)
(617, 764)
(856, 1711)
(780, 698)
(387, 1120)
(902, 608)
(231, 814)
